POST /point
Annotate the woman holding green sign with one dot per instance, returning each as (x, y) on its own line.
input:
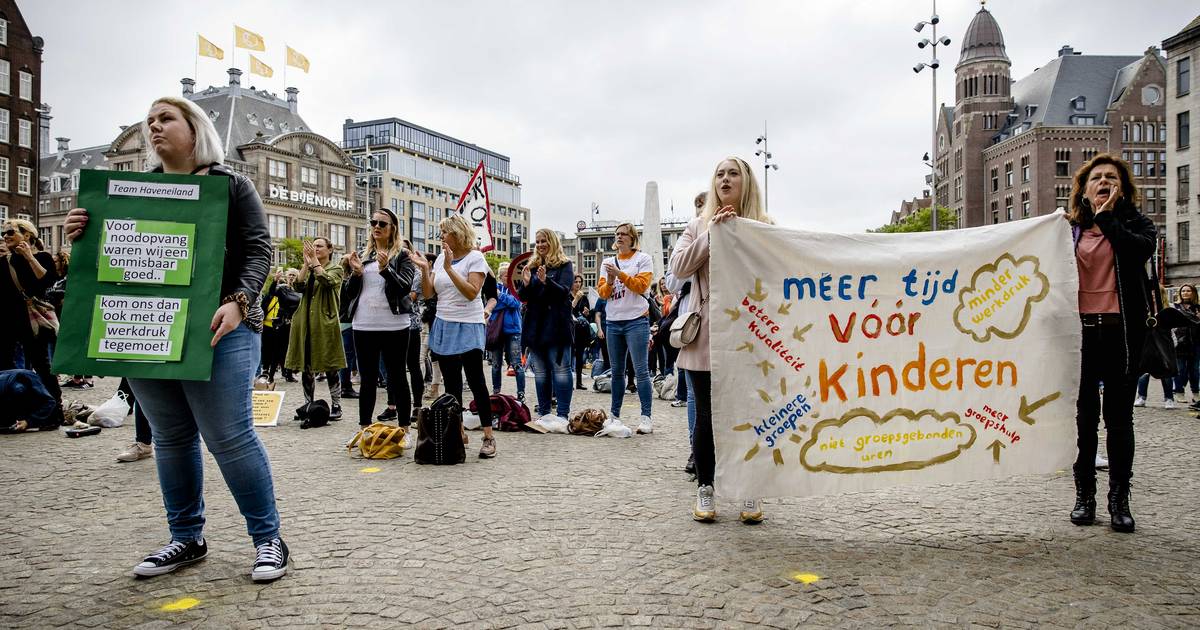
(181, 412)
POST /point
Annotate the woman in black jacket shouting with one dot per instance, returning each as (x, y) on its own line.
(1113, 241)
(379, 307)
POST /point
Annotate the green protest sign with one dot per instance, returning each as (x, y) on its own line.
(145, 277)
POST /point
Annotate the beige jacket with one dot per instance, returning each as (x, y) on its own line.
(690, 259)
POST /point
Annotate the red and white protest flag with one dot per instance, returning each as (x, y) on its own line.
(473, 203)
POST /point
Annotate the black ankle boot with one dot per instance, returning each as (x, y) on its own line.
(1118, 507)
(1084, 512)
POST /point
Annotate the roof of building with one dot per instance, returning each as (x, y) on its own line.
(240, 120)
(907, 208)
(71, 161)
(983, 39)
(1189, 32)
(1049, 95)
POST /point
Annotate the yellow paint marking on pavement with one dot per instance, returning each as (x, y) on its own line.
(806, 578)
(181, 604)
(371, 469)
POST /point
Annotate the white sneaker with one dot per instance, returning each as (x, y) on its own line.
(644, 426)
(706, 509)
(1139, 402)
(1101, 463)
(1169, 404)
(752, 512)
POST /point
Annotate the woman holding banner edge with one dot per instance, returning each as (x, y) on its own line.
(1112, 241)
(184, 141)
(733, 193)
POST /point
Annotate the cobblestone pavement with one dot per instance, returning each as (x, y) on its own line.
(574, 532)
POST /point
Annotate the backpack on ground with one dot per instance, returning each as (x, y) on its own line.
(508, 413)
(379, 441)
(440, 436)
(603, 382)
(313, 414)
(666, 386)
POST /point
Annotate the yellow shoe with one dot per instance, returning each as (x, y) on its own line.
(706, 509)
(752, 513)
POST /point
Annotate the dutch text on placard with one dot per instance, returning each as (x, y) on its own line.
(146, 252)
(854, 362)
(138, 328)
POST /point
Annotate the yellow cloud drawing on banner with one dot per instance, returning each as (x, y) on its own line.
(862, 441)
(1000, 298)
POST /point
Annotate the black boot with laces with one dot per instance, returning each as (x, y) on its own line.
(1084, 512)
(1118, 507)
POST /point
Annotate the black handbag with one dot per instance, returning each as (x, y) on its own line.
(1158, 348)
(440, 436)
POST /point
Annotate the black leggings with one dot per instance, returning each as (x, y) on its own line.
(471, 362)
(580, 350)
(702, 439)
(414, 367)
(141, 426)
(393, 345)
(1103, 361)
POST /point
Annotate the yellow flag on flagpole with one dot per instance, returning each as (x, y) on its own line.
(260, 68)
(296, 60)
(248, 39)
(206, 48)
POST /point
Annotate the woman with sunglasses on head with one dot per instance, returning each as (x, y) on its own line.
(458, 335)
(733, 193)
(380, 308)
(26, 272)
(625, 281)
(183, 140)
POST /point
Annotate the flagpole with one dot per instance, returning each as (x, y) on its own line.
(196, 60)
(233, 49)
(285, 49)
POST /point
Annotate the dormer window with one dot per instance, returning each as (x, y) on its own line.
(284, 127)
(85, 159)
(1079, 103)
(268, 123)
(213, 115)
(1030, 110)
(252, 119)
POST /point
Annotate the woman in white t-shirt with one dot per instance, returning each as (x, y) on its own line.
(625, 281)
(379, 306)
(458, 334)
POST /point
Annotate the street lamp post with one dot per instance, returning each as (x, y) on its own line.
(767, 166)
(933, 67)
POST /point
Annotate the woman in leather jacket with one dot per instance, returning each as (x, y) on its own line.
(379, 306)
(183, 140)
(1113, 241)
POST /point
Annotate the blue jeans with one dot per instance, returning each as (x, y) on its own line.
(181, 412)
(1143, 384)
(691, 406)
(509, 350)
(1188, 373)
(351, 360)
(552, 369)
(631, 336)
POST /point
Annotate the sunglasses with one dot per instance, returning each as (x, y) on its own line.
(8, 233)
(378, 224)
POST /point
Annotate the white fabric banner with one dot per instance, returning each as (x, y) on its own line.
(846, 362)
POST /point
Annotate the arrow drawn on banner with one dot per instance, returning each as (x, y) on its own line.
(733, 313)
(799, 332)
(996, 446)
(743, 427)
(784, 308)
(751, 453)
(758, 295)
(778, 457)
(747, 346)
(783, 387)
(1027, 408)
(765, 366)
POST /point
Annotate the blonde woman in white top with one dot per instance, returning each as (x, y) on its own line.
(624, 282)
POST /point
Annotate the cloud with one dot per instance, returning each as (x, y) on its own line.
(862, 441)
(1000, 298)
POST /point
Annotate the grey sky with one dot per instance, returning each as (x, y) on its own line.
(591, 100)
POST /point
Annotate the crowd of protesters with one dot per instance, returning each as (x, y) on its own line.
(388, 316)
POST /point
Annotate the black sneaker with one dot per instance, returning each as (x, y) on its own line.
(690, 467)
(270, 561)
(335, 413)
(171, 557)
(349, 393)
(388, 414)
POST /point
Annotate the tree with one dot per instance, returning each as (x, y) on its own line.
(293, 250)
(919, 221)
(494, 259)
